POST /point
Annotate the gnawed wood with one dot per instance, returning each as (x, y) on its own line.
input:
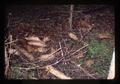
(35, 41)
(48, 57)
(73, 36)
(56, 72)
(25, 53)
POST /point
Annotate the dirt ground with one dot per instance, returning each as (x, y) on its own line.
(84, 52)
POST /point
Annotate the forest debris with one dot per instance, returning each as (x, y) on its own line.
(35, 41)
(25, 53)
(80, 55)
(85, 71)
(84, 24)
(11, 42)
(13, 51)
(37, 44)
(57, 73)
(46, 39)
(30, 49)
(6, 62)
(104, 36)
(49, 56)
(79, 49)
(89, 62)
(71, 15)
(111, 74)
(73, 36)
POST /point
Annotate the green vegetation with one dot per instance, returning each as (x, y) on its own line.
(101, 52)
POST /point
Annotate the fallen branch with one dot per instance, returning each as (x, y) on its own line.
(6, 62)
(57, 73)
(11, 42)
(25, 53)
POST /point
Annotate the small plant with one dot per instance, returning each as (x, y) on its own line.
(100, 51)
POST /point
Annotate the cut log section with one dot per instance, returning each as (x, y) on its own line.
(56, 72)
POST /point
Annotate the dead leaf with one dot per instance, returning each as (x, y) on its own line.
(46, 57)
(46, 39)
(80, 55)
(73, 36)
(104, 36)
(89, 62)
(84, 24)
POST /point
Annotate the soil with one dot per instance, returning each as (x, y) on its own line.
(42, 21)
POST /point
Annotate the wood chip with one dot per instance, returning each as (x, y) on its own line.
(47, 57)
(35, 41)
(32, 38)
(57, 73)
(39, 44)
(73, 36)
(104, 36)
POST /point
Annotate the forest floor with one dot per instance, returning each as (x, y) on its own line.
(83, 52)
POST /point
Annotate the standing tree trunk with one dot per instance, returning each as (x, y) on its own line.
(71, 16)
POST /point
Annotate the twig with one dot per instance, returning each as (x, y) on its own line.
(65, 46)
(81, 36)
(57, 61)
(6, 62)
(25, 68)
(85, 71)
(7, 57)
(11, 42)
(61, 51)
(73, 57)
(79, 49)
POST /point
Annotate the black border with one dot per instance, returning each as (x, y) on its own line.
(5, 3)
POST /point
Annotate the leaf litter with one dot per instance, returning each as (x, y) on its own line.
(44, 35)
